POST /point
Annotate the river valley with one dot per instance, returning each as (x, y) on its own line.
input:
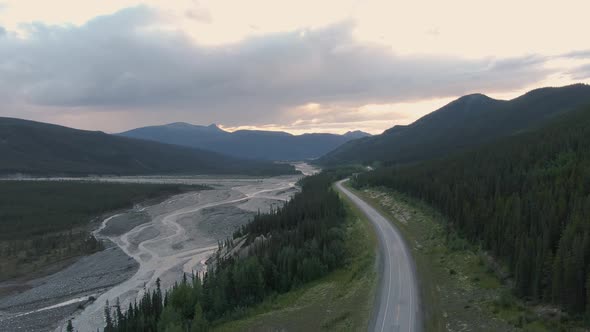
(146, 243)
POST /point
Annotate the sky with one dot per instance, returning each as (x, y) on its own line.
(298, 66)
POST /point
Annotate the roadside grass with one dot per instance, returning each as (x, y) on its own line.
(341, 301)
(460, 284)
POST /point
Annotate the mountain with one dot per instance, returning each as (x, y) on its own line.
(464, 123)
(356, 134)
(44, 149)
(251, 144)
(524, 198)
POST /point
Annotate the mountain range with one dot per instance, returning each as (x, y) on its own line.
(248, 144)
(470, 121)
(37, 148)
(465, 123)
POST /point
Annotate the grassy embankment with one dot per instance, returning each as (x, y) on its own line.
(341, 301)
(45, 225)
(461, 286)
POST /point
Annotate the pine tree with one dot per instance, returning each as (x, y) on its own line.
(109, 326)
(199, 324)
(118, 314)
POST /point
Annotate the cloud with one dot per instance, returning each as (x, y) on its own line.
(127, 61)
(580, 54)
(198, 13)
(581, 72)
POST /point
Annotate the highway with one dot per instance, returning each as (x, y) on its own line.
(397, 301)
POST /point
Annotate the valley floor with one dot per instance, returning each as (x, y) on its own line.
(148, 242)
(50, 299)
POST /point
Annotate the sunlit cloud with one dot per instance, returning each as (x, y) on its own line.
(300, 66)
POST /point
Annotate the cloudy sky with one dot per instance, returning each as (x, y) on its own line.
(299, 66)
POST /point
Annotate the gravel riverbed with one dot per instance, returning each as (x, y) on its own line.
(162, 241)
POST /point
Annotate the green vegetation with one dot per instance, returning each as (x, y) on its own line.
(44, 222)
(461, 286)
(465, 123)
(340, 301)
(525, 199)
(43, 149)
(276, 253)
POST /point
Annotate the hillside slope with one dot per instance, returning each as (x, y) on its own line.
(45, 149)
(464, 123)
(526, 198)
(251, 144)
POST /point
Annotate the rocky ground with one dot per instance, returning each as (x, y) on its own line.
(58, 296)
(148, 242)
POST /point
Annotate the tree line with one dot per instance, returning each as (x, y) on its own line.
(42, 222)
(279, 251)
(33, 208)
(525, 198)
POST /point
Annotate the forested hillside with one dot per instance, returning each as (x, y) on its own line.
(43, 149)
(463, 124)
(297, 243)
(525, 198)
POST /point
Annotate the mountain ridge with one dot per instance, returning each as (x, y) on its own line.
(464, 123)
(38, 148)
(244, 143)
(523, 198)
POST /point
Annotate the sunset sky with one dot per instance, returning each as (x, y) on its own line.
(299, 66)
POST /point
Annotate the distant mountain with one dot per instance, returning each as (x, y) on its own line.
(44, 149)
(251, 144)
(356, 134)
(462, 124)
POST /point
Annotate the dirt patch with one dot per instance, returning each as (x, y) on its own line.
(399, 211)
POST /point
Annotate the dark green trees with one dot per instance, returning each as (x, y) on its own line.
(299, 242)
(108, 318)
(526, 199)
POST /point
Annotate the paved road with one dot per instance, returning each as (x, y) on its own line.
(397, 304)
